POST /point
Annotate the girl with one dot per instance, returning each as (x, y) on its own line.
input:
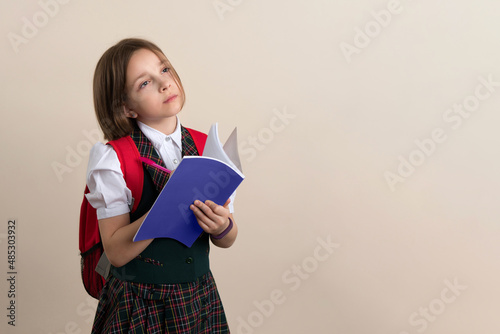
(157, 285)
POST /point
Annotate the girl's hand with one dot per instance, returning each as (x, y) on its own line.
(214, 219)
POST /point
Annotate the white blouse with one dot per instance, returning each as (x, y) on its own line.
(108, 192)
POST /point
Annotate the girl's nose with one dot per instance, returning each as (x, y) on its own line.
(165, 84)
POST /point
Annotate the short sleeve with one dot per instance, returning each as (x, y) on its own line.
(108, 192)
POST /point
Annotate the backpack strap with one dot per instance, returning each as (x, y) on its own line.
(131, 166)
(199, 139)
(89, 233)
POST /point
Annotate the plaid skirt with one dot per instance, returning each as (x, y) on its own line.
(187, 308)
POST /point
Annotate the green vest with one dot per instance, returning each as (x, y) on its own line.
(165, 260)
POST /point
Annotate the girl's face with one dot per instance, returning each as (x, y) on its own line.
(153, 96)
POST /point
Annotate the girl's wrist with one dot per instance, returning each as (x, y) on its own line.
(225, 232)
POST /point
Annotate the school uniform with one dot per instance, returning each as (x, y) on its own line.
(169, 287)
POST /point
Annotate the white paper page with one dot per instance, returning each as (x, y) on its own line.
(231, 149)
(213, 148)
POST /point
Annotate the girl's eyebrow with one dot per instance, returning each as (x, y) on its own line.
(161, 63)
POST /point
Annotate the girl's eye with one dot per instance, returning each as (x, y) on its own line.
(144, 84)
(165, 70)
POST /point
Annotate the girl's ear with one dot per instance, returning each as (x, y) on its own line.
(128, 112)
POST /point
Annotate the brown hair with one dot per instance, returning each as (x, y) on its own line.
(110, 82)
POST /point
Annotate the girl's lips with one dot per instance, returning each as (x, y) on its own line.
(170, 99)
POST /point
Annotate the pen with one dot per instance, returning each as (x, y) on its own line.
(152, 163)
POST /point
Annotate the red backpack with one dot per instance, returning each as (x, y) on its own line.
(90, 244)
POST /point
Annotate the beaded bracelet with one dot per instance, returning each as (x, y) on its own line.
(226, 231)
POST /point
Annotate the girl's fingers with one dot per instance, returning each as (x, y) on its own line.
(209, 214)
(206, 209)
(205, 214)
(203, 220)
(217, 209)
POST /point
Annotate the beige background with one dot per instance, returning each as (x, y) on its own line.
(421, 257)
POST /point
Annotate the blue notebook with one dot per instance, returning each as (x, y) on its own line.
(196, 178)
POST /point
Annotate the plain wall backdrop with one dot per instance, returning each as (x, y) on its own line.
(368, 135)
